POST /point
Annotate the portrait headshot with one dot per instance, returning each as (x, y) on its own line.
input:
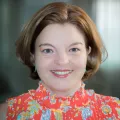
(62, 69)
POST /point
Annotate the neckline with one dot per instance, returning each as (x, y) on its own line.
(43, 91)
(42, 96)
(49, 93)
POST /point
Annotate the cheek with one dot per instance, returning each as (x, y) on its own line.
(42, 62)
(80, 62)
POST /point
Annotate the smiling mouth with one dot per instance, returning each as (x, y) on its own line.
(61, 73)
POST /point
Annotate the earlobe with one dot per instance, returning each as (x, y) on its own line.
(89, 50)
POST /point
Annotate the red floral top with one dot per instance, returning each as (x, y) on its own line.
(40, 104)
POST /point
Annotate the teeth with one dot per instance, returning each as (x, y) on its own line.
(61, 73)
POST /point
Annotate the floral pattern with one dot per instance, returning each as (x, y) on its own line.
(40, 104)
(23, 116)
(106, 109)
(33, 107)
(46, 115)
(86, 113)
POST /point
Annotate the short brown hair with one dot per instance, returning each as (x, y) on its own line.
(60, 12)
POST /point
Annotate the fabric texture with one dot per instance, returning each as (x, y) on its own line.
(40, 104)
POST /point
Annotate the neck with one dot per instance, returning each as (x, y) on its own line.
(63, 93)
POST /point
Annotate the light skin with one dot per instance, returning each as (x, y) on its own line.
(60, 47)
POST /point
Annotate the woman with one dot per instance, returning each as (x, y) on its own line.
(62, 48)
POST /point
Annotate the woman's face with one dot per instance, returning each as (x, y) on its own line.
(60, 56)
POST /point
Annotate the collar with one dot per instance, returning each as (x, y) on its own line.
(49, 100)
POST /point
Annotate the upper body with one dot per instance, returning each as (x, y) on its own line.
(40, 104)
(84, 104)
(62, 48)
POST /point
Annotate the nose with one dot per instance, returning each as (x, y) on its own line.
(62, 59)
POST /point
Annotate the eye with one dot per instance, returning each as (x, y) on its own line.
(47, 51)
(74, 50)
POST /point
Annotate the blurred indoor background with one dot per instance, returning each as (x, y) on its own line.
(14, 77)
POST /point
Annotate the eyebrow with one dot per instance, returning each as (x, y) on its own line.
(76, 43)
(47, 44)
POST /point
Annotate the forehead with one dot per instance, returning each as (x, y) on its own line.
(64, 33)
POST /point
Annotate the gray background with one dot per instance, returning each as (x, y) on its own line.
(14, 77)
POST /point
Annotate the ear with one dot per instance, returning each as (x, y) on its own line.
(89, 50)
(32, 58)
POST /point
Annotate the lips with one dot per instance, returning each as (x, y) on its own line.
(61, 73)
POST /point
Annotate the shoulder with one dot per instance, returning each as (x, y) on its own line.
(108, 106)
(112, 101)
(99, 98)
(21, 98)
(17, 100)
(3, 111)
(17, 104)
